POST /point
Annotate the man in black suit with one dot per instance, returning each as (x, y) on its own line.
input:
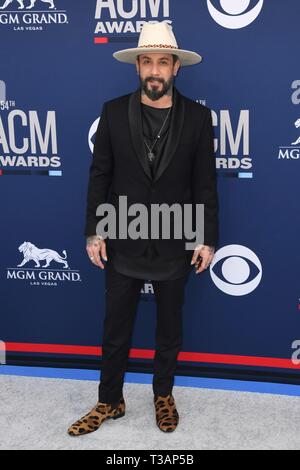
(153, 146)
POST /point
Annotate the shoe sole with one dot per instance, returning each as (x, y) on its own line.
(118, 416)
(90, 432)
(167, 430)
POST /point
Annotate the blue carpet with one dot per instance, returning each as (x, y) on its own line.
(196, 382)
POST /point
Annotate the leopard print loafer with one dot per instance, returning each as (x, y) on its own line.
(93, 420)
(166, 413)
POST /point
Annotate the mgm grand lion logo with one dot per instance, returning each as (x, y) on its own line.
(32, 253)
(32, 4)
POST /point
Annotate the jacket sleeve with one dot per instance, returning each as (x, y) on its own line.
(205, 181)
(100, 174)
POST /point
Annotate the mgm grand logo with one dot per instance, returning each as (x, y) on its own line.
(30, 20)
(291, 152)
(53, 270)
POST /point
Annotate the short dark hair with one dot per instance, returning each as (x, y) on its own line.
(175, 58)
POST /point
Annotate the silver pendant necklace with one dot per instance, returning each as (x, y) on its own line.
(151, 155)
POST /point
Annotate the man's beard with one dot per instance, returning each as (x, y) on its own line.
(155, 93)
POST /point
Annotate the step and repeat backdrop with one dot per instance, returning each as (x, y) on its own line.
(242, 316)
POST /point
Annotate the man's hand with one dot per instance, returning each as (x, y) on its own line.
(204, 252)
(96, 249)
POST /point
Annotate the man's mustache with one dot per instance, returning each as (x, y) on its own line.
(153, 79)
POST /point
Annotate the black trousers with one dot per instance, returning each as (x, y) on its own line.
(122, 296)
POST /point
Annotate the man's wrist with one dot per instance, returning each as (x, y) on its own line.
(211, 247)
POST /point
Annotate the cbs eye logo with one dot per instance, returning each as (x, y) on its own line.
(236, 270)
(235, 13)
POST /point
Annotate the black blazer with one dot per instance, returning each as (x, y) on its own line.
(186, 173)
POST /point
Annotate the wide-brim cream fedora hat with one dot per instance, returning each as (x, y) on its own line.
(157, 37)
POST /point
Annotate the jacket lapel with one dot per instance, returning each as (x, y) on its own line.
(136, 130)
